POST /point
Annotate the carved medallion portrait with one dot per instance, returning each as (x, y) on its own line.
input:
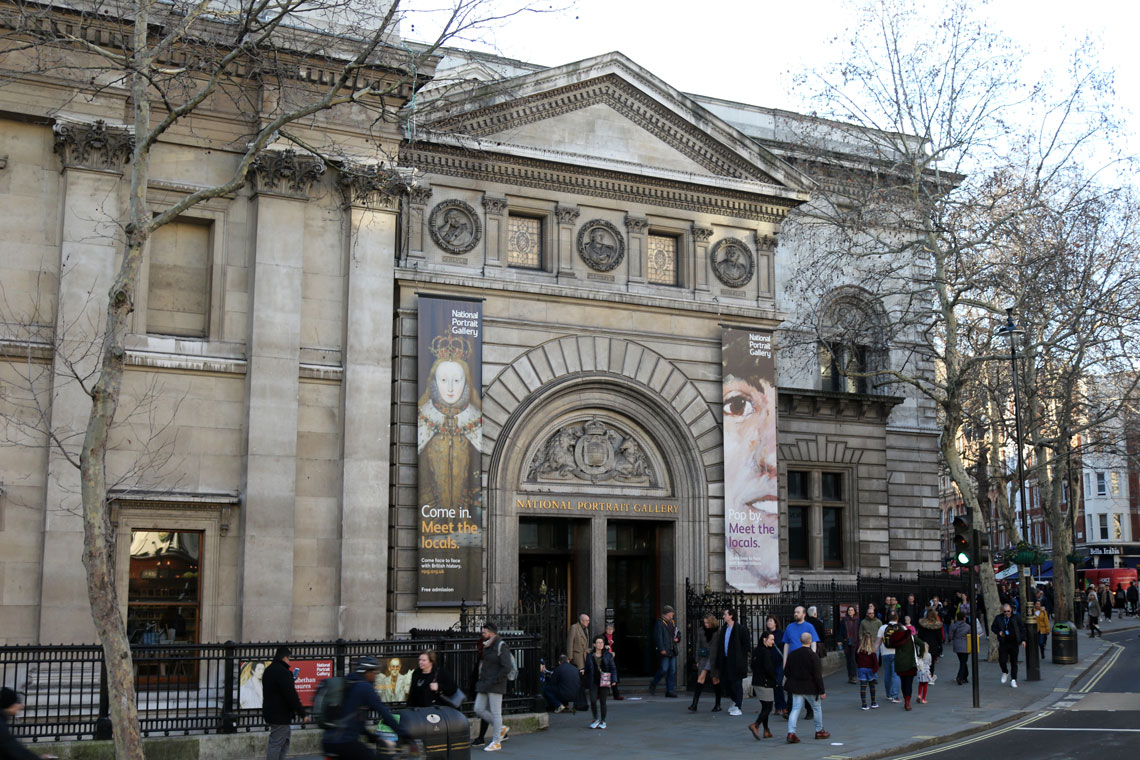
(454, 226)
(600, 245)
(732, 262)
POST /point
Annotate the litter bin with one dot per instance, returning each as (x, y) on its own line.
(1064, 644)
(444, 731)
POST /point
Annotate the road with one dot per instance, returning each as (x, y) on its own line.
(1098, 718)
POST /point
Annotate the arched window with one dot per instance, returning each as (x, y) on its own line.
(853, 337)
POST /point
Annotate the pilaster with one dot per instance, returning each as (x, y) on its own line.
(701, 238)
(371, 203)
(418, 198)
(494, 209)
(93, 156)
(638, 227)
(567, 217)
(765, 260)
(281, 181)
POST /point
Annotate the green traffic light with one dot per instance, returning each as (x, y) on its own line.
(963, 558)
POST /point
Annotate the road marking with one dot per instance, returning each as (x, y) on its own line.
(1114, 730)
(978, 738)
(1104, 668)
(1063, 705)
(922, 737)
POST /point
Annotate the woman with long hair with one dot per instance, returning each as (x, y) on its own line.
(704, 644)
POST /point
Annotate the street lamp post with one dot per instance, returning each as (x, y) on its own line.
(1032, 661)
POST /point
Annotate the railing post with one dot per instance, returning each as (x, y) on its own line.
(341, 646)
(229, 720)
(104, 729)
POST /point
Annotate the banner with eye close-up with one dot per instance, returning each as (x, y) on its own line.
(450, 443)
(751, 495)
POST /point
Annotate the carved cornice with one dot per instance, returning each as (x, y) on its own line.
(284, 172)
(567, 214)
(515, 171)
(494, 206)
(701, 234)
(636, 105)
(830, 405)
(93, 145)
(637, 225)
(765, 242)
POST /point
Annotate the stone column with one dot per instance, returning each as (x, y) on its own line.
(281, 181)
(418, 198)
(367, 398)
(94, 206)
(494, 210)
(599, 556)
(638, 227)
(567, 218)
(765, 258)
(701, 238)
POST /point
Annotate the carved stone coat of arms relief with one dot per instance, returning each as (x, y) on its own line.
(593, 452)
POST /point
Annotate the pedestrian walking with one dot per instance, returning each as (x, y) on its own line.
(577, 647)
(601, 675)
(1011, 638)
(803, 678)
(432, 684)
(1132, 596)
(780, 703)
(765, 661)
(925, 676)
(793, 636)
(609, 634)
(280, 703)
(931, 632)
(492, 684)
(706, 637)
(11, 703)
(731, 650)
(666, 637)
(960, 634)
(850, 642)
(1041, 618)
(908, 651)
(1105, 601)
(1093, 603)
(867, 661)
(891, 680)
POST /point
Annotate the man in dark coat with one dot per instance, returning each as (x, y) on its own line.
(732, 650)
(280, 703)
(563, 685)
(1011, 637)
(11, 703)
(492, 684)
(803, 679)
(665, 640)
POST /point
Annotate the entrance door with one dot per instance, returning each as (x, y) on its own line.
(633, 592)
(554, 559)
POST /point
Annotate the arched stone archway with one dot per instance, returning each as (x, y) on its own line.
(625, 385)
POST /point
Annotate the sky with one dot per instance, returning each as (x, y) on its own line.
(748, 50)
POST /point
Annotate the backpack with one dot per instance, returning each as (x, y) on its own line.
(513, 673)
(328, 704)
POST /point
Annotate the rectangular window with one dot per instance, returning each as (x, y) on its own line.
(524, 242)
(178, 286)
(662, 263)
(798, 534)
(163, 588)
(1088, 484)
(1117, 528)
(1115, 483)
(832, 537)
(799, 485)
(1103, 519)
(1101, 486)
(839, 368)
(831, 486)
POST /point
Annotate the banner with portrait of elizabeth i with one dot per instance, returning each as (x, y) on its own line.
(752, 507)
(449, 444)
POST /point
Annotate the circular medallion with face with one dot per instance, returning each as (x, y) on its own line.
(732, 262)
(454, 226)
(600, 245)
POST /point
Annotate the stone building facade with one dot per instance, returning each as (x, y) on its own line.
(609, 224)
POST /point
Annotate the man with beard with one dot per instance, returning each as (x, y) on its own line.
(731, 651)
(794, 639)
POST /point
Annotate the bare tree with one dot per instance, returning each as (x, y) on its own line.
(291, 67)
(937, 150)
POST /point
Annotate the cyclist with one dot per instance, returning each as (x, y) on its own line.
(343, 741)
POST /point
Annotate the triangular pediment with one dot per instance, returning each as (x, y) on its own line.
(608, 111)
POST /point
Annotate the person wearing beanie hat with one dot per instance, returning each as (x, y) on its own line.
(11, 703)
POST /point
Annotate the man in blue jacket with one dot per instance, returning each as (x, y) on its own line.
(563, 686)
(360, 696)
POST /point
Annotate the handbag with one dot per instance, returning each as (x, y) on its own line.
(606, 680)
(703, 652)
(455, 700)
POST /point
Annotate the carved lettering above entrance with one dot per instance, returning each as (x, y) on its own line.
(591, 452)
(454, 226)
(600, 245)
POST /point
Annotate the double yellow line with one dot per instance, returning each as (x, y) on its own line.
(1108, 663)
(980, 737)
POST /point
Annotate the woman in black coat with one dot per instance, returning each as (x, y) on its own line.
(599, 662)
(930, 633)
(765, 663)
(430, 682)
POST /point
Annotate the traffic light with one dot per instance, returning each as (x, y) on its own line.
(963, 543)
(981, 547)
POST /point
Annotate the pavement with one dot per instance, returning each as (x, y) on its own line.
(645, 726)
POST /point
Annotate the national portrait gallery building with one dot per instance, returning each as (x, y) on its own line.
(560, 362)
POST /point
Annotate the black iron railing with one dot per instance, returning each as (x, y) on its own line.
(197, 688)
